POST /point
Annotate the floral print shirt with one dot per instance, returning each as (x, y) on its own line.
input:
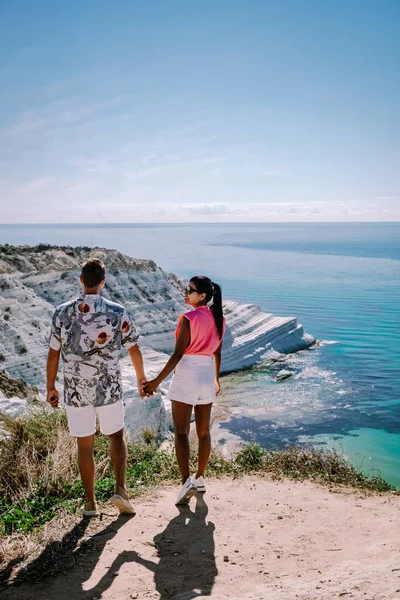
(90, 333)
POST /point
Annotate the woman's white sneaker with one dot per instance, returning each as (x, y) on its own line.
(200, 484)
(186, 492)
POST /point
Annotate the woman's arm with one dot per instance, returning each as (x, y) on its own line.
(181, 345)
(217, 366)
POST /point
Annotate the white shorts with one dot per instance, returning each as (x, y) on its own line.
(194, 380)
(82, 419)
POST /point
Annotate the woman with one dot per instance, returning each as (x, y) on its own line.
(196, 360)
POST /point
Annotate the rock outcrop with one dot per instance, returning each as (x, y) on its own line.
(15, 394)
(33, 280)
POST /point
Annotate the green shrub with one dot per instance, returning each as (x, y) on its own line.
(39, 474)
(251, 457)
(43, 247)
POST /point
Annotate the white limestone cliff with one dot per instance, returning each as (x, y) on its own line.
(35, 280)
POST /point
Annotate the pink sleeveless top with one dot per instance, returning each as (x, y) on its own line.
(204, 338)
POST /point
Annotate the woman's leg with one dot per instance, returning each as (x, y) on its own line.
(202, 414)
(181, 414)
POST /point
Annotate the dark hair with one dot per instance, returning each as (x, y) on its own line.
(93, 272)
(212, 290)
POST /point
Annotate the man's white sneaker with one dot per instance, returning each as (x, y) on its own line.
(186, 492)
(200, 484)
(89, 509)
(121, 501)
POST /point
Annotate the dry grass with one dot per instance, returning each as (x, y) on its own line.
(309, 462)
(35, 449)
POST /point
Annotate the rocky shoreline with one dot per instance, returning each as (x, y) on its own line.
(35, 279)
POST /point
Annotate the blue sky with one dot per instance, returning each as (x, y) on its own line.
(218, 110)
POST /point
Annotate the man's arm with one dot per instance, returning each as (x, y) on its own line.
(53, 397)
(137, 361)
(217, 366)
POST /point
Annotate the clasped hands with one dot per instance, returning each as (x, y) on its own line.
(147, 388)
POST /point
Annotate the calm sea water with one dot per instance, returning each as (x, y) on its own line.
(342, 282)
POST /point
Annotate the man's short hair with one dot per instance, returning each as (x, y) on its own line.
(93, 272)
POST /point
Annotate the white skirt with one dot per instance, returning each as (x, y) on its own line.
(193, 380)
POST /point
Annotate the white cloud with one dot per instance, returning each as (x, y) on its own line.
(37, 185)
(107, 157)
(175, 165)
(61, 112)
(216, 209)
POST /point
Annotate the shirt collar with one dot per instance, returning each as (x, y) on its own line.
(91, 296)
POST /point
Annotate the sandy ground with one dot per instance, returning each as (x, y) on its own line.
(244, 539)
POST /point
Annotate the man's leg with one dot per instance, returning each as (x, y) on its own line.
(181, 414)
(82, 425)
(111, 417)
(118, 455)
(202, 414)
(86, 465)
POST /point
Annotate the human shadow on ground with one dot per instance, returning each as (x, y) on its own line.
(186, 568)
(60, 556)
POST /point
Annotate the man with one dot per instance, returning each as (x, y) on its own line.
(89, 333)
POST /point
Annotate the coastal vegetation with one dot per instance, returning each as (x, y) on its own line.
(10, 386)
(9, 249)
(39, 475)
(44, 257)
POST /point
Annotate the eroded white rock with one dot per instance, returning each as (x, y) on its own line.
(32, 283)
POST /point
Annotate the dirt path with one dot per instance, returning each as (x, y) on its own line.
(245, 539)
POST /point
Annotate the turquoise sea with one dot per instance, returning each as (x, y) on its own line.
(342, 282)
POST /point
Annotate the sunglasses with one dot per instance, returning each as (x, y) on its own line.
(188, 290)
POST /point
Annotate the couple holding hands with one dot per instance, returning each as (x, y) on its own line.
(89, 333)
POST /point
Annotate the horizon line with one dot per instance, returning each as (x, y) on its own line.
(156, 223)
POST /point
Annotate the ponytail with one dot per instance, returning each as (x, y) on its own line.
(213, 298)
(216, 309)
